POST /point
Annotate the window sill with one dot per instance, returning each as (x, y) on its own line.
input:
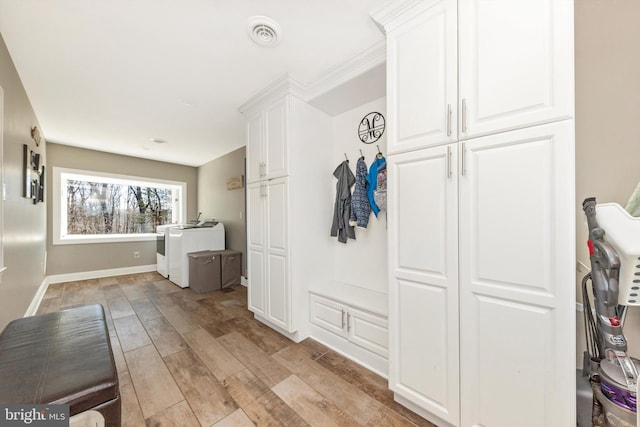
(114, 238)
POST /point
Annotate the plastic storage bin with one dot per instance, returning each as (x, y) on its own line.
(204, 271)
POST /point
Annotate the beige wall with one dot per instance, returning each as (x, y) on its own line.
(103, 256)
(607, 43)
(24, 223)
(227, 206)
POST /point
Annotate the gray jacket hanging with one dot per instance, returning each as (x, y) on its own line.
(342, 208)
(360, 206)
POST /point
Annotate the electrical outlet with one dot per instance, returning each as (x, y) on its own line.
(136, 254)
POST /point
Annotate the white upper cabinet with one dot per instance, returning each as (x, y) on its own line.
(267, 143)
(515, 64)
(422, 78)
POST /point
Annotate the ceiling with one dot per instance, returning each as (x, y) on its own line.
(112, 75)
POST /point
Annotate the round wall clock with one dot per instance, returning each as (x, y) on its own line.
(371, 128)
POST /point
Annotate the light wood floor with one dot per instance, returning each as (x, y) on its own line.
(187, 359)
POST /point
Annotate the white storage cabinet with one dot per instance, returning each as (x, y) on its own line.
(481, 215)
(355, 327)
(287, 158)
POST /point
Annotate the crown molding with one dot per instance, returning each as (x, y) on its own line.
(361, 63)
(284, 85)
(354, 67)
(386, 16)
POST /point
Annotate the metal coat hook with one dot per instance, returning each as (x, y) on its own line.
(361, 155)
(379, 152)
(345, 156)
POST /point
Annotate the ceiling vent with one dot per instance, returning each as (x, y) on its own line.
(264, 31)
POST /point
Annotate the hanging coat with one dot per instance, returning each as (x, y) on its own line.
(372, 180)
(380, 192)
(360, 206)
(342, 209)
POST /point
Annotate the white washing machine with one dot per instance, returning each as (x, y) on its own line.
(162, 249)
(186, 239)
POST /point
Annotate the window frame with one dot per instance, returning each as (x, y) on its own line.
(60, 207)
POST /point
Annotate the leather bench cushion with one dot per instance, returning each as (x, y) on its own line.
(63, 357)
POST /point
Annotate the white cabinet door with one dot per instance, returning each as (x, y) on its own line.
(276, 143)
(255, 141)
(517, 293)
(423, 292)
(422, 79)
(368, 331)
(256, 246)
(328, 314)
(278, 289)
(515, 62)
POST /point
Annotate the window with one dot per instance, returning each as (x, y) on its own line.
(91, 207)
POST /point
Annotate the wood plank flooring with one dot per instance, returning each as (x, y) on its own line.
(193, 359)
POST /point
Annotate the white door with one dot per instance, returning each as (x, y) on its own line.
(256, 246)
(517, 281)
(255, 139)
(515, 62)
(422, 79)
(278, 288)
(276, 146)
(423, 288)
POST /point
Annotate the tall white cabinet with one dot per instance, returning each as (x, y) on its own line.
(287, 157)
(480, 209)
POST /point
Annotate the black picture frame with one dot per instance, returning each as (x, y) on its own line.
(33, 175)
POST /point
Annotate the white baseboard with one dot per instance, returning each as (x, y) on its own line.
(97, 274)
(37, 299)
(244, 282)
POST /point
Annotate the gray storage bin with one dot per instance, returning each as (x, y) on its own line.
(204, 271)
(231, 268)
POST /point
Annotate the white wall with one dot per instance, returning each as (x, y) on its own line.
(361, 262)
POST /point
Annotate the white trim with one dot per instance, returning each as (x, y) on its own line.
(37, 298)
(97, 274)
(283, 86)
(363, 62)
(391, 10)
(356, 66)
(360, 355)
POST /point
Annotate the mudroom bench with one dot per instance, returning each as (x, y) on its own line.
(61, 358)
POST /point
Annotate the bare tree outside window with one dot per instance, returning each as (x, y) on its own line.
(109, 208)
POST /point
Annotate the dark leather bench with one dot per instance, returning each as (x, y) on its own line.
(61, 358)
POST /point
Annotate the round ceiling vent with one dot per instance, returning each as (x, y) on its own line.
(264, 31)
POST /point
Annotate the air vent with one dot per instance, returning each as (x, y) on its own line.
(264, 31)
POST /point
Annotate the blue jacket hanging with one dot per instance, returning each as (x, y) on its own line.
(360, 206)
(372, 180)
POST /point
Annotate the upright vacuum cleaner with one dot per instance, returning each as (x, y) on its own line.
(612, 373)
